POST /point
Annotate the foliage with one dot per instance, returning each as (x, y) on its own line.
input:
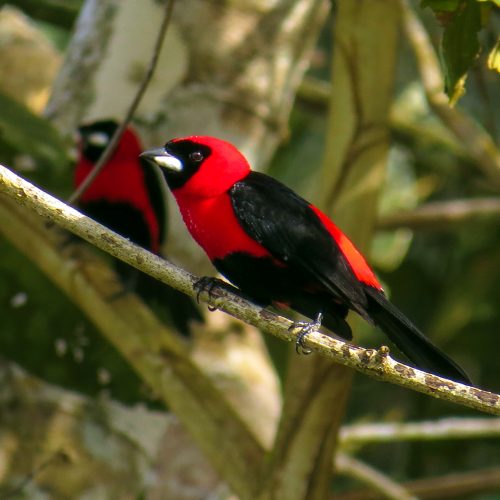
(462, 20)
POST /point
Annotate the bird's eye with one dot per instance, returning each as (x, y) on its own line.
(196, 156)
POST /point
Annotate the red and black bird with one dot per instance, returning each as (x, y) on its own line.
(280, 249)
(130, 199)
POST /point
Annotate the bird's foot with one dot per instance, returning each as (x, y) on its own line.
(304, 328)
(207, 284)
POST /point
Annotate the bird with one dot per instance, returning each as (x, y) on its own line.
(130, 198)
(280, 250)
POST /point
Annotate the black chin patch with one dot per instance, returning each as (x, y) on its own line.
(191, 154)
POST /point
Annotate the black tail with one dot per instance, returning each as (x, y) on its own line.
(410, 340)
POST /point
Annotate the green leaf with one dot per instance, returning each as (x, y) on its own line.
(441, 5)
(494, 57)
(460, 47)
(61, 13)
(23, 132)
(495, 2)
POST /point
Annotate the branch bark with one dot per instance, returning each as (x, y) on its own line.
(376, 363)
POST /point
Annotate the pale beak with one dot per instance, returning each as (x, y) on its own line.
(161, 158)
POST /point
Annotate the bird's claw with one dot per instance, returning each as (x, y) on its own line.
(206, 284)
(304, 328)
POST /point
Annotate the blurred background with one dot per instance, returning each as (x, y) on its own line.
(435, 245)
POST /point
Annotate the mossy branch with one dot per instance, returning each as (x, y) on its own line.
(375, 363)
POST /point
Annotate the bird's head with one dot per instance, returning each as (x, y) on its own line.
(199, 166)
(95, 137)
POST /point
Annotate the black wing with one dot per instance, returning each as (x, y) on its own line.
(283, 222)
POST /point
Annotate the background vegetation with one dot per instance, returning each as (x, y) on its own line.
(431, 201)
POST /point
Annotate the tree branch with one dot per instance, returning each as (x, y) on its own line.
(382, 484)
(439, 214)
(458, 485)
(447, 428)
(375, 363)
(316, 92)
